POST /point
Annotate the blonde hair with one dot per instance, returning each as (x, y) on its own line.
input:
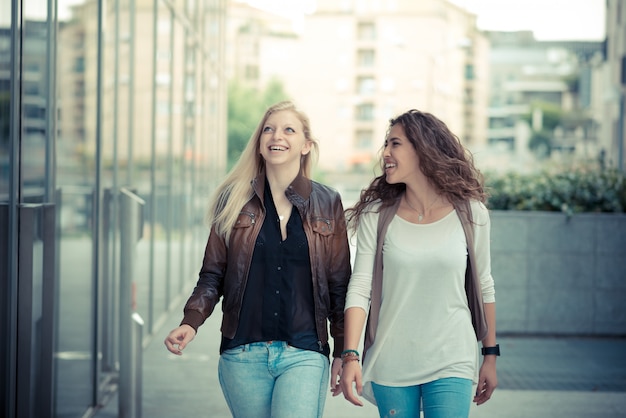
(236, 190)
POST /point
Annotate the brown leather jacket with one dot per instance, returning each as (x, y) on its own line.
(226, 264)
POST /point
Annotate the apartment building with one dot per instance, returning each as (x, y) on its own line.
(355, 64)
(247, 27)
(526, 73)
(137, 105)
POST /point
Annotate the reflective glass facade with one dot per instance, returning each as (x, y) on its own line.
(112, 136)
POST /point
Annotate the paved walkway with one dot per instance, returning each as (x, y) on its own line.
(540, 377)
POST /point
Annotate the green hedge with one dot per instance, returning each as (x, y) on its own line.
(569, 192)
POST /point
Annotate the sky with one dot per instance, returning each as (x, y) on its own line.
(549, 19)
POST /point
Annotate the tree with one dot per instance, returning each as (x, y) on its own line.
(246, 106)
(541, 143)
(541, 140)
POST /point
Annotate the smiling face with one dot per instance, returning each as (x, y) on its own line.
(400, 157)
(283, 140)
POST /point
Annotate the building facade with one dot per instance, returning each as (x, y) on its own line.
(352, 65)
(530, 78)
(112, 135)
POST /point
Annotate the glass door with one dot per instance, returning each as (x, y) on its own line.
(28, 213)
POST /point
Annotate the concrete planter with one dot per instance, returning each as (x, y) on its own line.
(559, 275)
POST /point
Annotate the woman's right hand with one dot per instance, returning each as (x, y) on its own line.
(351, 374)
(178, 339)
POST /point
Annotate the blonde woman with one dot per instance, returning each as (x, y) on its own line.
(278, 255)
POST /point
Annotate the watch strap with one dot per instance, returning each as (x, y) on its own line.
(486, 351)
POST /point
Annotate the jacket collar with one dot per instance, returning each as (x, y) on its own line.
(297, 192)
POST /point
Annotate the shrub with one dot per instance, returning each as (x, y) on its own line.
(570, 192)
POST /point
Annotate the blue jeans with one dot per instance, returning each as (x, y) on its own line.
(272, 380)
(443, 398)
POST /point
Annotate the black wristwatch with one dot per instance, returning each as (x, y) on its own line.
(491, 350)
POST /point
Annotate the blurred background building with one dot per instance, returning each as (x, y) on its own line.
(352, 65)
(118, 104)
(541, 99)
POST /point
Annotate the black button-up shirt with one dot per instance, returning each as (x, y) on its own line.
(278, 299)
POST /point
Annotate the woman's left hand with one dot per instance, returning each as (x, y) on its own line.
(487, 380)
(335, 375)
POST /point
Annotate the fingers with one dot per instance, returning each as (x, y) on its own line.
(335, 388)
(487, 382)
(177, 340)
(351, 379)
(335, 374)
(478, 399)
(173, 345)
(359, 384)
(483, 393)
(350, 397)
(481, 398)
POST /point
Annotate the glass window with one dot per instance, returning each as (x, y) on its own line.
(122, 126)
(34, 112)
(32, 66)
(366, 58)
(365, 112)
(366, 85)
(252, 72)
(163, 79)
(31, 88)
(364, 139)
(79, 64)
(366, 31)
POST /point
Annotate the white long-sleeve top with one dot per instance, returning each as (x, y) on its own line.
(425, 330)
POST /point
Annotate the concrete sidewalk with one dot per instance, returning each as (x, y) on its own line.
(540, 377)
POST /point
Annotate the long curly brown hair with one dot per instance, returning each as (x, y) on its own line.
(447, 164)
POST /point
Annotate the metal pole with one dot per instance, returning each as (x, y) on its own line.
(129, 390)
(25, 405)
(620, 132)
(137, 370)
(8, 386)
